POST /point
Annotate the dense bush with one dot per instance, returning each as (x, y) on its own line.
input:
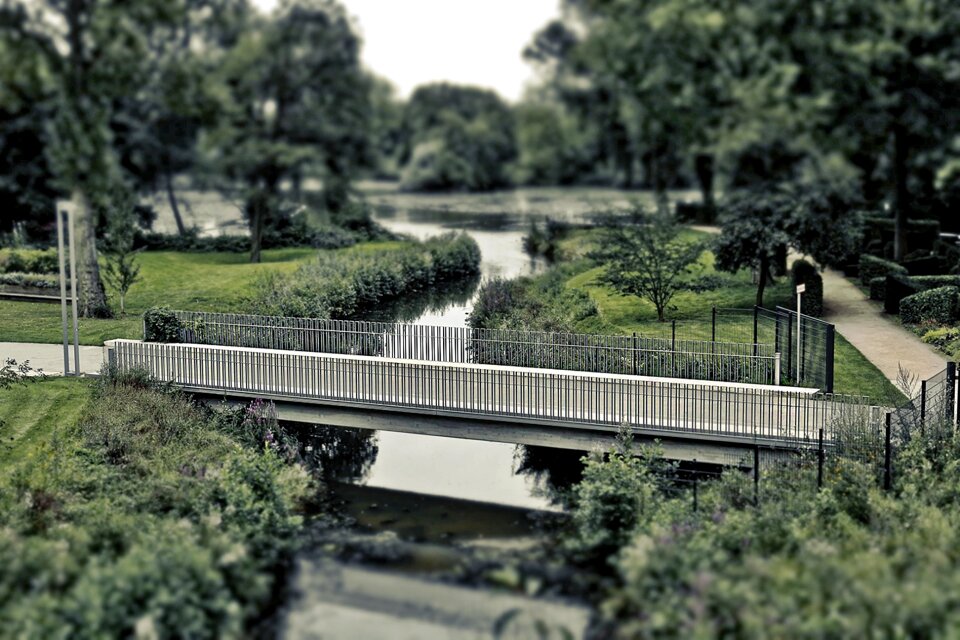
(44, 261)
(873, 267)
(812, 300)
(160, 324)
(938, 305)
(800, 563)
(922, 235)
(31, 280)
(144, 520)
(543, 303)
(342, 284)
(946, 339)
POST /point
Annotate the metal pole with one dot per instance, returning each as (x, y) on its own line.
(776, 369)
(887, 471)
(756, 474)
(73, 293)
(923, 405)
(799, 354)
(820, 460)
(63, 292)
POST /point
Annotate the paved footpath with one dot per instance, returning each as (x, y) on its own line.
(49, 357)
(876, 335)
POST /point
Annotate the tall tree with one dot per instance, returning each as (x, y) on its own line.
(297, 100)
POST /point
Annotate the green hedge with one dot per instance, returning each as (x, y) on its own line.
(43, 261)
(878, 235)
(812, 300)
(160, 324)
(938, 305)
(32, 280)
(343, 284)
(873, 267)
(878, 288)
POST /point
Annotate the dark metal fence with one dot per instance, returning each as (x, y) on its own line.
(632, 355)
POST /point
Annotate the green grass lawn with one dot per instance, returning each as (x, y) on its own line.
(853, 373)
(30, 414)
(191, 281)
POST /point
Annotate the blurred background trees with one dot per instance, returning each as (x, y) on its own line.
(101, 98)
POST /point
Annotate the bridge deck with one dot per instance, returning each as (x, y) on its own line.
(712, 410)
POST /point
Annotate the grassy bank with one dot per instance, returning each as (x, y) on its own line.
(228, 282)
(572, 297)
(125, 510)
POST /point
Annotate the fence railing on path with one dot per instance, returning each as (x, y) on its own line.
(632, 355)
(785, 416)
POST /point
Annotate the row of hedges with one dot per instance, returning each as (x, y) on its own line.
(343, 284)
(812, 300)
(322, 237)
(151, 518)
(45, 261)
(872, 267)
(940, 305)
(29, 280)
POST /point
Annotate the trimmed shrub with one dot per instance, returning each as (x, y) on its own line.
(938, 305)
(878, 289)
(160, 324)
(873, 267)
(43, 261)
(812, 300)
(31, 280)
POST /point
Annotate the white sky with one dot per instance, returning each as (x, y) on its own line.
(477, 42)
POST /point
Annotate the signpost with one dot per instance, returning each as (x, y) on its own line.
(800, 289)
(65, 210)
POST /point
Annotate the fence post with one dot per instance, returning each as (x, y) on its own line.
(673, 335)
(694, 485)
(790, 349)
(776, 369)
(951, 403)
(820, 459)
(756, 313)
(713, 330)
(756, 474)
(887, 471)
(923, 406)
(635, 354)
(831, 339)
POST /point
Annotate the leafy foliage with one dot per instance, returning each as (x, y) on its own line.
(812, 299)
(646, 257)
(160, 324)
(940, 305)
(873, 267)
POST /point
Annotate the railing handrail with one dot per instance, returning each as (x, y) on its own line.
(805, 391)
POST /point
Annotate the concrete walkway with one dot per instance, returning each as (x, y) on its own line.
(332, 601)
(876, 335)
(49, 357)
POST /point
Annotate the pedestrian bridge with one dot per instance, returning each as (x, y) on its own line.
(697, 419)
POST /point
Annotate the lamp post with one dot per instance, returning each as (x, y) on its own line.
(800, 289)
(65, 210)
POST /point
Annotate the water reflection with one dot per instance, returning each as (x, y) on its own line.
(336, 453)
(554, 472)
(438, 301)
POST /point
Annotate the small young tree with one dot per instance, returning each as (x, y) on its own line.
(122, 270)
(646, 257)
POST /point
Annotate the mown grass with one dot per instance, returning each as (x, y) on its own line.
(190, 281)
(692, 311)
(30, 414)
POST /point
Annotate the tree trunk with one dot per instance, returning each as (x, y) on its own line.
(257, 215)
(762, 279)
(172, 198)
(703, 166)
(901, 153)
(92, 297)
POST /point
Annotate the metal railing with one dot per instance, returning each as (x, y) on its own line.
(631, 355)
(780, 415)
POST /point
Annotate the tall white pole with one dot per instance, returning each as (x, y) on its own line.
(63, 289)
(800, 289)
(73, 293)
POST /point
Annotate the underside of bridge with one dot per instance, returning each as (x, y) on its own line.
(545, 433)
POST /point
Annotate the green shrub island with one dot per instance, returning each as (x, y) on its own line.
(812, 300)
(341, 285)
(148, 518)
(938, 306)
(873, 267)
(878, 288)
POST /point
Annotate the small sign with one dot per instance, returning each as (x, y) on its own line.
(801, 288)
